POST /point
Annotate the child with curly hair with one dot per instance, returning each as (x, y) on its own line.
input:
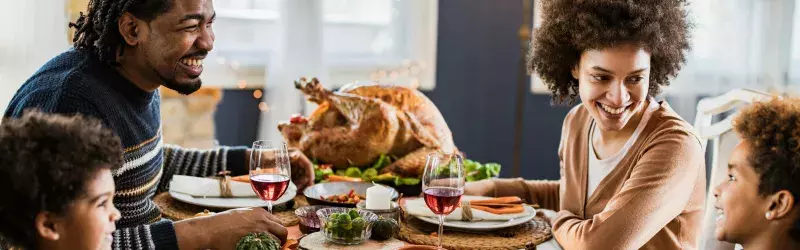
(632, 170)
(757, 205)
(55, 173)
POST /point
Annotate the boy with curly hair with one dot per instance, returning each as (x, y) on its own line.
(757, 205)
(632, 170)
(55, 173)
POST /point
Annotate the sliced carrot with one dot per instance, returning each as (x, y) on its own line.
(505, 210)
(334, 178)
(497, 204)
(241, 178)
(503, 200)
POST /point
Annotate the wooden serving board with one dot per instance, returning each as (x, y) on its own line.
(316, 241)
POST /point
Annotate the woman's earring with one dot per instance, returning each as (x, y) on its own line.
(768, 215)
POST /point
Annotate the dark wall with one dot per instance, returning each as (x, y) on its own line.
(477, 66)
(237, 118)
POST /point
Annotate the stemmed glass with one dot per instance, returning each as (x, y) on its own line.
(443, 185)
(269, 170)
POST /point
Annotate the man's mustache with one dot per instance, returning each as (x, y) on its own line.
(196, 54)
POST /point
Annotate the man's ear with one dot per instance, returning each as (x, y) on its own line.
(46, 224)
(129, 28)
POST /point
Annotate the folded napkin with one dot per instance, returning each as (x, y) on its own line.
(208, 187)
(417, 207)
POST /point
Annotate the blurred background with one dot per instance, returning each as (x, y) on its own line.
(463, 54)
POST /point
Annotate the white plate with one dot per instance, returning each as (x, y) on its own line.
(216, 202)
(482, 225)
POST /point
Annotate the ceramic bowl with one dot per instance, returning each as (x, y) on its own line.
(315, 193)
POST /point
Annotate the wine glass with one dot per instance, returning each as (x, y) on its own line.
(443, 185)
(269, 170)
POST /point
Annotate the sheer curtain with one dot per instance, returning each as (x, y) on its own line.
(737, 44)
(271, 43)
(34, 32)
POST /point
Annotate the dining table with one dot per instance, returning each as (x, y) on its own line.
(170, 206)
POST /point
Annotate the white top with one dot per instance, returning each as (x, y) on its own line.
(599, 169)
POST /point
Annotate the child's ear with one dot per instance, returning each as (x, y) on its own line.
(781, 204)
(46, 224)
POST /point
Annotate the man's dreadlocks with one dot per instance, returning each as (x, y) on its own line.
(98, 31)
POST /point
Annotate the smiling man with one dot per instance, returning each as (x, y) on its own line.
(124, 50)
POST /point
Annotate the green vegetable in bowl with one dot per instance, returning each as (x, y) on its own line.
(348, 227)
(353, 214)
(259, 241)
(358, 224)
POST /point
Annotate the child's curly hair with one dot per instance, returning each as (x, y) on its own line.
(570, 27)
(45, 162)
(773, 130)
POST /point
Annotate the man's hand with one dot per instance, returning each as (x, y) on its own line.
(302, 169)
(224, 230)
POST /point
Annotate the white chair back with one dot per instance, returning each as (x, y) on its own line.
(723, 140)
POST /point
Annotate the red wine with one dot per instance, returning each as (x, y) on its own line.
(442, 200)
(269, 187)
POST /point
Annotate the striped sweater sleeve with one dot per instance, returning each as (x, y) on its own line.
(201, 162)
(156, 236)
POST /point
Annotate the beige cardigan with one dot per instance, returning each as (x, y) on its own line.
(652, 200)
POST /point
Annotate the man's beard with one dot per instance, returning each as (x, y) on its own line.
(183, 88)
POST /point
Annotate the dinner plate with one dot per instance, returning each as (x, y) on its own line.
(482, 225)
(217, 202)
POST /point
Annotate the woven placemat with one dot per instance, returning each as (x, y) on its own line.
(525, 236)
(177, 210)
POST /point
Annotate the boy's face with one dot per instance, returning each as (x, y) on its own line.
(89, 221)
(736, 222)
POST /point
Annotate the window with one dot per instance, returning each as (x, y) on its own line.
(270, 43)
(390, 40)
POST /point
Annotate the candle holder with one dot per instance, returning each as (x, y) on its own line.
(392, 213)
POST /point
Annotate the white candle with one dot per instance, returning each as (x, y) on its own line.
(378, 198)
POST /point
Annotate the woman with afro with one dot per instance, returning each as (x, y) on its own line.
(757, 205)
(632, 171)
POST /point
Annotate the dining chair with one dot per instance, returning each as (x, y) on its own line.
(723, 141)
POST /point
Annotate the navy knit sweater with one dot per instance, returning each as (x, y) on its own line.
(75, 82)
